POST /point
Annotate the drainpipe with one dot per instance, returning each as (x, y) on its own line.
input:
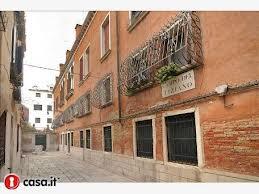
(118, 63)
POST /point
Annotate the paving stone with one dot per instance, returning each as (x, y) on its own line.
(67, 169)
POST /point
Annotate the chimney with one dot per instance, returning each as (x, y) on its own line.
(67, 54)
(61, 68)
(78, 29)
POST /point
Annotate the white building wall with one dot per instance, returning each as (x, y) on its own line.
(43, 100)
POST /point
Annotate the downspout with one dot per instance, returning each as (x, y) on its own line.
(118, 64)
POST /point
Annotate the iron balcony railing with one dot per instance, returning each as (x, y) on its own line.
(178, 43)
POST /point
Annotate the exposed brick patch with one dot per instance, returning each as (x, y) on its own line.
(232, 145)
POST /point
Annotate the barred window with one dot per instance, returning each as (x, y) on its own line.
(65, 139)
(181, 138)
(106, 91)
(144, 139)
(81, 139)
(107, 139)
(72, 139)
(88, 138)
(49, 120)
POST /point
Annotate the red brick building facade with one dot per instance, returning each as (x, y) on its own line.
(163, 96)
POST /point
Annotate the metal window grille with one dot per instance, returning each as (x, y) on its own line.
(144, 139)
(87, 139)
(2, 138)
(178, 42)
(65, 139)
(181, 138)
(107, 139)
(81, 139)
(72, 139)
(102, 92)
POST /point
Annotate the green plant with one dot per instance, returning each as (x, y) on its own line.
(166, 72)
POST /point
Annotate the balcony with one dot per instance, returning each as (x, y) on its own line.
(174, 50)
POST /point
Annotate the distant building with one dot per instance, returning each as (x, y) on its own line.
(40, 106)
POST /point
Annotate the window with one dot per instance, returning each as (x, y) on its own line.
(107, 98)
(2, 138)
(49, 108)
(72, 139)
(37, 107)
(105, 36)
(83, 105)
(38, 94)
(65, 139)
(181, 138)
(81, 69)
(107, 139)
(86, 62)
(37, 120)
(81, 139)
(61, 139)
(88, 138)
(49, 95)
(49, 120)
(134, 15)
(70, 79)
(144, 139)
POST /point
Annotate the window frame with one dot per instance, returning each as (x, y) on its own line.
(102, 47)
(37, 105)
(37, 94)
(51, 109)
(48, 120)
(200, 148)
(134, 121)
(88, 129)
(133, 23)
(103, 104)
(103, 142)
(81, 140)
(36, 119)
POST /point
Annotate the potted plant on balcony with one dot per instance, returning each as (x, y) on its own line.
(167, 72)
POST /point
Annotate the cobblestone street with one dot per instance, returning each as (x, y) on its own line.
(66, 168)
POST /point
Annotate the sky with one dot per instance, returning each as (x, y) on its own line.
(48, 36)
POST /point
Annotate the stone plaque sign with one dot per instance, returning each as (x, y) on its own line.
(180, 83)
